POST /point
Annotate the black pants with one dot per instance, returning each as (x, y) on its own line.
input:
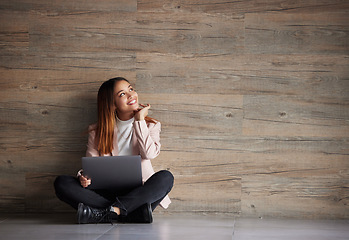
(69, 190)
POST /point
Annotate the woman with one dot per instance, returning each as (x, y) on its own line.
(123, 128)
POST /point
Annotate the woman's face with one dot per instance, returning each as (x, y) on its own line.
(125, 98)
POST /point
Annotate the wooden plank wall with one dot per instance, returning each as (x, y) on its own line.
(252, 96)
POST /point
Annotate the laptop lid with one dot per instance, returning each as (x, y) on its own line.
(119, 174)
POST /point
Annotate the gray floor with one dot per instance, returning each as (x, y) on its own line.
(172, 227)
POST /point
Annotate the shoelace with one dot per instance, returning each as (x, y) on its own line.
(101, 216)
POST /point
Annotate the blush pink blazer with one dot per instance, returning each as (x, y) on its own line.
(146, 142)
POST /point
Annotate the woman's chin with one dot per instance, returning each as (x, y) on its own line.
(133, 108)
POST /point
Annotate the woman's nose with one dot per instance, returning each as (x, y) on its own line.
(130, 96)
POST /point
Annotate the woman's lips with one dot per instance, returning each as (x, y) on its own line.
(132, 102)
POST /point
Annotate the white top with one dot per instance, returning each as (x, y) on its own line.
(125, 133)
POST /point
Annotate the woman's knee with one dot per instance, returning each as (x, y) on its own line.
(62, 181)
(167, 176)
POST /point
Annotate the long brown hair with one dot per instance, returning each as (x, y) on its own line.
(106, 116)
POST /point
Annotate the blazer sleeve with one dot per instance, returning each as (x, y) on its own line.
(148, 138)
(91, 145)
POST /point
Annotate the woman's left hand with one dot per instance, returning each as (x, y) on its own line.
(141, 112)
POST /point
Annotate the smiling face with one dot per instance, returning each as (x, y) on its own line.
(125, 100)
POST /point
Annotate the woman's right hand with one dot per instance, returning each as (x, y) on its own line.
(84, 181)
(141, 112)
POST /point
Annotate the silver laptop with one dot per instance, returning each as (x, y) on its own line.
(119, 174)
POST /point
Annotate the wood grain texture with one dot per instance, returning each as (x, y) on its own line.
(252, 97)
(12, 188)
(204, 193)
(66, 7)
(186, 117)
(326, 191)
(137, 32)
(36, 183)
(31, 81)
(239, 7)
(14, 33)
(293, 116)
(297, 33)
(326, 77)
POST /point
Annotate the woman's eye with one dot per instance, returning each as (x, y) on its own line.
(131, 89)
(122, 94)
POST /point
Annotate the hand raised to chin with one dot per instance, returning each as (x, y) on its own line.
(141, 112)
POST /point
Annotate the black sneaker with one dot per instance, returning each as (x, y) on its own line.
(88, 214)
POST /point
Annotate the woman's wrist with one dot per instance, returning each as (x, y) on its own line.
(139, 118)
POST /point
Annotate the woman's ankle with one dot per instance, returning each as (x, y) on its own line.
(116, 210)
